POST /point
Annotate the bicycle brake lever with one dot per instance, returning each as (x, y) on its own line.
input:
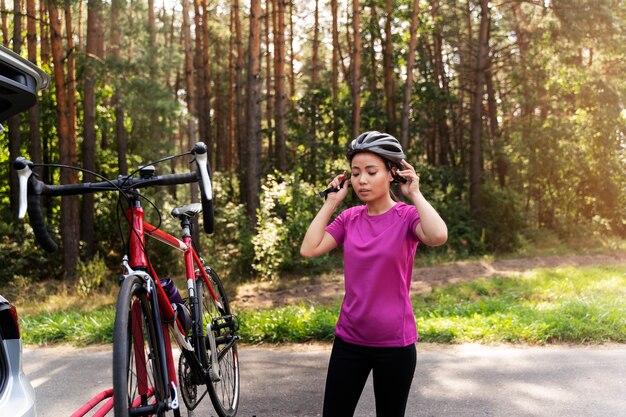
(23, 168)
(201, 156)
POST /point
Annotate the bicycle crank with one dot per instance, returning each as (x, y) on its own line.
(188, 388)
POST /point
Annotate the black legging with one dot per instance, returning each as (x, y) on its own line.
(349, 368)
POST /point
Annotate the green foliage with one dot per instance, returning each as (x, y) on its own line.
(229, 250)
(91, 275)
(503, 220)
(287, 208)
(21, 261)
(271, 231)
(561, 121)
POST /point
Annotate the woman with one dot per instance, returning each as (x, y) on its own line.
(376, 329)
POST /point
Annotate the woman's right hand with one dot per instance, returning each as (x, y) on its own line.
(340, 182)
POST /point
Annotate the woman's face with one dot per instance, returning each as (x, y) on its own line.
(369, 177)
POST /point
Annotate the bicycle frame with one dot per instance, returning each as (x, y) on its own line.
(162, 308)
(201, 360)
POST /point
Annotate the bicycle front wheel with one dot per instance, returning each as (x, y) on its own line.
(138, 387)
(224, 392)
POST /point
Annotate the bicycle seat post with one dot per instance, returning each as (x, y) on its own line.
(185, 225)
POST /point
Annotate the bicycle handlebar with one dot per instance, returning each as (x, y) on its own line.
(31, 190)
(206, 190)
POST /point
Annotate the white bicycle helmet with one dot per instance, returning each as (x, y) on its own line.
(382, 144)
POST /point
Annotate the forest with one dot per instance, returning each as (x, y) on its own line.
(512, 112)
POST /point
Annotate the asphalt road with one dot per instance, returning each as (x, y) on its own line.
(465, 380)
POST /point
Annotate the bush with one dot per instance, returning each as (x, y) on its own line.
(288, 206)
(91, 275)
(229, 250)
(21, 257)
(502, 219)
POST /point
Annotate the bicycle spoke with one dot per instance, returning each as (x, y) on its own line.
(225, 391)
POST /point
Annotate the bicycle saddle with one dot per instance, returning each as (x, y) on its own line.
(188, 211)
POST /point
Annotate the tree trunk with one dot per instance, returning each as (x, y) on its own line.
(442, 143)
(292, 54)
(189, 74)
(372, 74)
(152, 32)
(206, 83)
(408, 87)
(221, 117)
(335, 76)
(14, 122)
(4, 14)
(46, 135)
(254, 111)
(153, 128)
(240, 116)
(232, 100)
(89, 125)
(44, 33)
(356, 68)
(390, 107)
(314, 86)
(269, 96)
(199, 72)
(34, 117)
(279, 83)
(67, 150)
(477, 112)
(71, 74)
(316, 46)
(496, 138)
(117, 7)
(192, 127)
(79, 31)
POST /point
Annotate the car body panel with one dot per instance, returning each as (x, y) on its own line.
(20, 80)
(17, 396)
(9, 57)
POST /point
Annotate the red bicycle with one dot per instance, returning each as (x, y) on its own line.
(145, 381)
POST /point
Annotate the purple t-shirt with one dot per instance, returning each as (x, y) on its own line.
(378, 266)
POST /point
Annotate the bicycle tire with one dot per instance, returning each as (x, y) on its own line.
(137, 375)
(224, 393)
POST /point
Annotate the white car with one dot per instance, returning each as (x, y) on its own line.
(20, 81)
(17, 397)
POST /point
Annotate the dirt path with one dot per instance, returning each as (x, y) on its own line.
(328, 288)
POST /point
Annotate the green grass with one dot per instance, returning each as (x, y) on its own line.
(76, 327)
(573, 305)
(555, 305)
(299, 323)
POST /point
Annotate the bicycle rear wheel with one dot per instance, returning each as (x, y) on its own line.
(225, 392)
(138, 387)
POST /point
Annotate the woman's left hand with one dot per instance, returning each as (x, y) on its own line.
(412, 185)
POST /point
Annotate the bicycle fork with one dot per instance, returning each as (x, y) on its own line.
(172, 403)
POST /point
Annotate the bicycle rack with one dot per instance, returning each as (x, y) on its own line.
(91, 404)
(106, 395)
